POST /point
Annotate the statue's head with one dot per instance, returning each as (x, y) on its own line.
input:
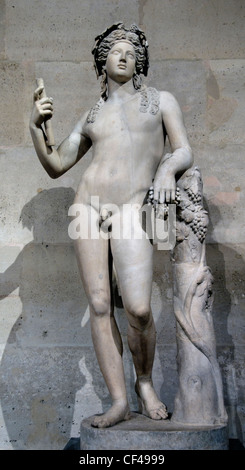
(105, 41)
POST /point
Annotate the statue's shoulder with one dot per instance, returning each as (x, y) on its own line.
(167, 97)
(94, 111)
(150, 100)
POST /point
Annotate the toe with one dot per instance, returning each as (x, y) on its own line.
(153, 414)
(103, 424)
(95, 423)
(163, 413)
(157, 416)
(159, 413)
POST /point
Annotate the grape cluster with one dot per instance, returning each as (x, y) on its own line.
(198, 226)
(194, 197)
(193, 213)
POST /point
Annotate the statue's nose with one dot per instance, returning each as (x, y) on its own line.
(123, 57)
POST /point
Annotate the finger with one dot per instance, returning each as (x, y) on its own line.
(47, 106)
(46, 112)
(167, 196)
(173, 195)
(156, 194)
(162, 196)
(38, 92)
(46, 100)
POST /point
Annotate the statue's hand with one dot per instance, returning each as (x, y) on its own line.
(42, 108)
(164, 186)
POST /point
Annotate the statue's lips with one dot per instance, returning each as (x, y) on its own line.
(122, 66)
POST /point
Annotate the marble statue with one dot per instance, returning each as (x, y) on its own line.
(126, 129)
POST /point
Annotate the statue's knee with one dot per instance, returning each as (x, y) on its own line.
(139, 316)
(100, 305)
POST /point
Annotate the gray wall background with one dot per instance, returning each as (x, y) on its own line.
(49, 374)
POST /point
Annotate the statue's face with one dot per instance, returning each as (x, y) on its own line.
(120, 63)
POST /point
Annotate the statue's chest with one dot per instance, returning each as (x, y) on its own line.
(140, 114)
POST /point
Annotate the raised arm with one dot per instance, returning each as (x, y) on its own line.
(176, 163)
(56, 161)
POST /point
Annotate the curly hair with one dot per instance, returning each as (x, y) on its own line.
(105, 41)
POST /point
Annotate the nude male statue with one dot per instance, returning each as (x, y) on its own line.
(126, 130)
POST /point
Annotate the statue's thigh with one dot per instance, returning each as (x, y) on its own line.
(93, 263)
(133, 261)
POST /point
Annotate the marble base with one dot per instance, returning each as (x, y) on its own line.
(142, 433)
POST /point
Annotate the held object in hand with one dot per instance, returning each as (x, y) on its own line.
(47, 124)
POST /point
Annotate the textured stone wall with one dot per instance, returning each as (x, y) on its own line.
(49, 375)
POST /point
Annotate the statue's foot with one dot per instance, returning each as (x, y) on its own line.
(149, 403)
(118, 412)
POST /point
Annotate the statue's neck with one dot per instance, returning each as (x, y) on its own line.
(120, 91)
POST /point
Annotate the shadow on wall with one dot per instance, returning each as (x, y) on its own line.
(40, 364)
(50, 375)
(223, 261)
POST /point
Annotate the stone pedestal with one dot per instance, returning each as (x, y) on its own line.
(142, 433)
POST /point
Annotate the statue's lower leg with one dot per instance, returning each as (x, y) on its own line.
(142, 345)
(108, 348)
